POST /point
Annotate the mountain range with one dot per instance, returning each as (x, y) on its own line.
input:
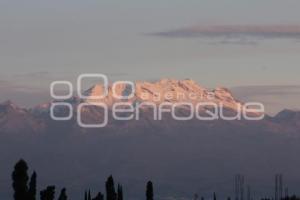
(14, 119)
(181, 157)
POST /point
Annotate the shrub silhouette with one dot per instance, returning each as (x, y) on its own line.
(63, 195)
(99, 196)
(48, 193)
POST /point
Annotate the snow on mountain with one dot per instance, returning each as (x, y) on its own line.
(165, 90)
(203, 151)
(37, 119)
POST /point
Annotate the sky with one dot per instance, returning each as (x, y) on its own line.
(232, 43)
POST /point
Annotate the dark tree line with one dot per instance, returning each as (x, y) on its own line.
(26, 189)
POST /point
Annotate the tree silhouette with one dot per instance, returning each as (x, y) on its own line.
(20, 179)
(85, 195)
(110, 189)
(25, 191)
(63, 195)
(32, 187)
(89, 195)
(48, 193)
(99, 196)
(149, 191)
(120, 192)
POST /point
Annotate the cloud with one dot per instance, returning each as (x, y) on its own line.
(234, 34)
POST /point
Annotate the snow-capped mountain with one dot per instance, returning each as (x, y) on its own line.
(37, 119)
(165, 90)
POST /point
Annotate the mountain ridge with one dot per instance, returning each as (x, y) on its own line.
(181, 157)
(37, 119)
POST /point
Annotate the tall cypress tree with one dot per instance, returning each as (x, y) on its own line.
(215, 197)
(120, 192)
(32, 187)
(110, 189)
(63, 195)
(89, 195)
(149, 191)
(85, 195)
(20, 179)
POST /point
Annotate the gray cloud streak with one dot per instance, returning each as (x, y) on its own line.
(232, 32)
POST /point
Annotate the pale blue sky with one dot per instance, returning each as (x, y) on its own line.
(41, 41)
